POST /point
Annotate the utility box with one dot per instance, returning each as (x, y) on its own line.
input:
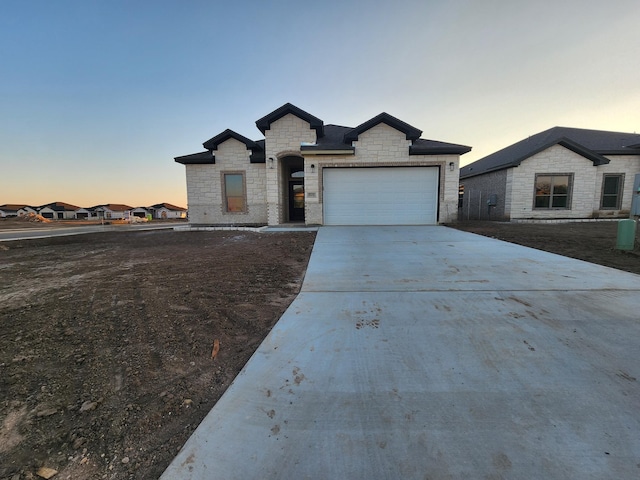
(493, 200)
(626, 234)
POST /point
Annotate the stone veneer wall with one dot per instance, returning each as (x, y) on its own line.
(282, 139)
(560, 160)
(627, 165)
(205, 188)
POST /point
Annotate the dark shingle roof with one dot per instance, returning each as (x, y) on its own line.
(591, 144)
(333, 140)
(336, 139)
(423, 146)
(168, 206)
(265, 122)
(212, 143)
(60, 207)
(257, 148)
(412, 133)
(196, 158)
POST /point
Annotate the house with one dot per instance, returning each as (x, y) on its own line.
(141, 212)
(86, 213)
(561, 173)
(167, 211)
(380, 172)
(27, 210)
(112, 211)
(58, 211)
(10, 210)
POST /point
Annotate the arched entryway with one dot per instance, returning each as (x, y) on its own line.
(293, 173)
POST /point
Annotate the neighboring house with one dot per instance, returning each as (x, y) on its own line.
(10, 210)
(561, 173)
(168, 211)
(27, 210)
(86, 213)
(58, 211)
(113, 211)
(380, 172)
(141, 212)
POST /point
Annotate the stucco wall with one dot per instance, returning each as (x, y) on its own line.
(205, 188)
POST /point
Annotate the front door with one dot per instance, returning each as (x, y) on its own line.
(296, 201)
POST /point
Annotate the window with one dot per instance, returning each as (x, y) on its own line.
(611, 191)
(234, 194)
(553, 191)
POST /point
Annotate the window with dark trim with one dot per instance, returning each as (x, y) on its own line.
(234, 192)
(611, 191)
(553, 191)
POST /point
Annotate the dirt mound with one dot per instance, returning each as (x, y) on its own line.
(33, 217)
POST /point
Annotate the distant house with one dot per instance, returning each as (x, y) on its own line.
(380, 172)
(10, 210)
(140, 212)
(112, 211)
(86, 213)
(167, 211)
(27, 210)
(561, 173)
(58, 211)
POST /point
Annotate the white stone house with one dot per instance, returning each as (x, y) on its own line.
(10, 210)
(167, 211)
(58, 211)
(561, 173)
(140, 212)
(378, 173)
(85, 213)
(113, 211)
(27, 210)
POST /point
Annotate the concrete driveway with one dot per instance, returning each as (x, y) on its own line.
(429, 353)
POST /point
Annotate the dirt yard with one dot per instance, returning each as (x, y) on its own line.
(593, 242)
(106, 342)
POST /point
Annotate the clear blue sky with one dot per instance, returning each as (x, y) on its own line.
(97, 97)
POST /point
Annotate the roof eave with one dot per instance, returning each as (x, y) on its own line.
(315, 150)
(448, 150)
(201, 158)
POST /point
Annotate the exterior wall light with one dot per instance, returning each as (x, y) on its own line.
(313, 168)
(271, 162)
(452, 166)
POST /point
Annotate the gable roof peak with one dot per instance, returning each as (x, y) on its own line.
(212, 143)
(411, 132)
(315, 123)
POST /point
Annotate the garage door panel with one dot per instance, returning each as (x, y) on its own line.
(380, 196)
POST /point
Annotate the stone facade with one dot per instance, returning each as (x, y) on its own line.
(282, 139)
(205, 188)
(266, 181)
(515, 186)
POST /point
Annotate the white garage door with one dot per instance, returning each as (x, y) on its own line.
(380, 196)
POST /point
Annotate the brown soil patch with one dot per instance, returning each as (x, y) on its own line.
(106, 342)
(593, 242)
